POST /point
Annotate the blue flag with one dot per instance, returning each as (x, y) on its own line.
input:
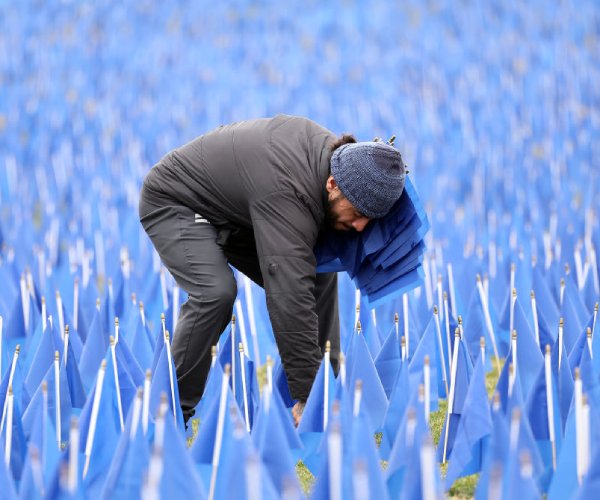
(474, 429)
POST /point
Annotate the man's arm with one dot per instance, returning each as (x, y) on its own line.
(285, 231)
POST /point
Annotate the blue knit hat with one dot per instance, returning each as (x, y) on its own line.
(370, 175)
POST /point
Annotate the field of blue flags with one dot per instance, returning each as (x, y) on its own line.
(496, 110)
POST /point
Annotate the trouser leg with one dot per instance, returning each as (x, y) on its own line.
(191, 254)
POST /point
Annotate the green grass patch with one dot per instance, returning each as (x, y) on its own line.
(307, 480)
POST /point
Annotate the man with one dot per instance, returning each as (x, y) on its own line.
(255, 195)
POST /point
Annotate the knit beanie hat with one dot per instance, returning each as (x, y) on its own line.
(370, 175)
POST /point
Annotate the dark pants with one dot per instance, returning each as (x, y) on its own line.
(192, 251)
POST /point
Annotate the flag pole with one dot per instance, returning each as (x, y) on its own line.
(536, 326)
(447, 325)
(428, 466)
(482, 349)
(270, 374)
(326, 383)
(578, 395)
(10, 382)
(36, 470)
(403, 348)
(137, 410)
(116, 329)
(360, 480)
(233, 356)
(588, 333)
(515, 429)
(512, 309)
(219, 432)
(451, 287)
(171, 381)
(66, 345)
(142, 314)
(73, 456)
(57, 399)
(44, 318)
(213, 355)
(9, 426)
(334, 450)
(550, 403)
(488, 320)
(243, 374)
(441, 347)
(342, 372)
(94, 416)
(427, 386)
(357, 398)
(561, 324)
(406, 329)
(452, 389)
(440, 293)
(117, 385)
(146, 401)
(251, 319)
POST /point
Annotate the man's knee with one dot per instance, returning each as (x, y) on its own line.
(223, 292)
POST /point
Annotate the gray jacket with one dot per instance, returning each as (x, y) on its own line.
(264, 181)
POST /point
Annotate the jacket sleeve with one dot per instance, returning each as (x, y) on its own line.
(285, 230)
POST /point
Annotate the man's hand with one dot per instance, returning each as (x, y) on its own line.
(297, 411)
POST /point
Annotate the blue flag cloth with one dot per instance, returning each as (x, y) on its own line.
(179, 476)
(41, 434)
(537, 413)
(529, 357)
(474, 429)
(361, 367)
(268, 436)
(388, 361)
(496, 453)
(564, 378)
(591, 484)
(464, 373)
(246, 471)
(396, 409)
(124, 478)
(407, 443)
(251, 383)
(573, 324)
(546, 305)
(18, 447)
(142, 343)
(428, 346)
(314, 411)
(106, 435)
(42, 360)
(8, 490)
(93, 351)
(565, 482)
(357, 449)
(164, 379)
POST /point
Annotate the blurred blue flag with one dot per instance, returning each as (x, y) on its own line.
(474, 429)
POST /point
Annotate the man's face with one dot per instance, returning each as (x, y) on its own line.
(341, 214)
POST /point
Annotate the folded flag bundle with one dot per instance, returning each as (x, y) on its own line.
(385, 259)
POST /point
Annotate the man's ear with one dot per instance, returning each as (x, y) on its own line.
(330, 185)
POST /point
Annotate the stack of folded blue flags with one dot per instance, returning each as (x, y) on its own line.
(385, 260)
